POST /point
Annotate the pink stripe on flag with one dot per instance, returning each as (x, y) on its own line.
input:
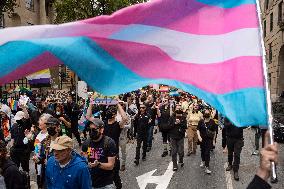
(188, 16)
(41, 62)
(218, 78)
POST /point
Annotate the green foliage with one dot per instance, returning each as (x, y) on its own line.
(7, 6)
(72, 10)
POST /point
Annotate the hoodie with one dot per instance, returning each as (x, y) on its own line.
(75, 175)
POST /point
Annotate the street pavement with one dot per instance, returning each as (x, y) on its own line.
(153, 173)
(191, 176)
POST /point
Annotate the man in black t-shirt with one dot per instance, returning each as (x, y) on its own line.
(101, 152)
(113, 129)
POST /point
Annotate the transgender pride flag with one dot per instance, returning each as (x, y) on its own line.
(210, 48)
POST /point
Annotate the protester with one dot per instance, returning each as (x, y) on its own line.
(206, 131)
(67, 169)
(235, 143)
(40, 164)
(20, 152)
(101, 152)
(177, 130)
(193, 118)
(143, 120)
(9, 170)
(164, 114)
(152, 111)
(65, 122)
(6, 122)
(73, 112)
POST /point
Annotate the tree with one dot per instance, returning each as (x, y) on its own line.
(72, 10)
(7, 6)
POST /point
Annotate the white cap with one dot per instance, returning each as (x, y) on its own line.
(19, 115)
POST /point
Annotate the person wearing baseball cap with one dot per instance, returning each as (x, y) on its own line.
(67, 169)
(100, 151)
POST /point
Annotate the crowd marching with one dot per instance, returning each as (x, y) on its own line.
(43, 130)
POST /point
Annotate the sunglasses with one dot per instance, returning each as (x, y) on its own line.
(142, 107)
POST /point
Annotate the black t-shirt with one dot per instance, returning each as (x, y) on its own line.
(18, 133)
(165, 118)
(205, 127)
(100, 151)
(113, 131)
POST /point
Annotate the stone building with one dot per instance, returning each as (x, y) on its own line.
(36, 12)
(273, 31)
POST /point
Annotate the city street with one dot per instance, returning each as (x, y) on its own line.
(191, 176)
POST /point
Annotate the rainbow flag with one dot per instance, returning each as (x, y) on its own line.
(40, 77)
(210, 48)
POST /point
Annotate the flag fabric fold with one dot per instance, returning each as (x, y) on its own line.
(211, 49)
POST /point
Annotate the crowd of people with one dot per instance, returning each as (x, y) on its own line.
(44, 134)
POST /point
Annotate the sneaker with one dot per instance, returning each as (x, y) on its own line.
(202, 164)
(122, 168)
(165, 153)
(225, 150)
(175, 169)
(207, 171)
(236, 176)
(188, 153)
(148, 149)
(255, 153)
(181, 163)
(229, 168)
(136, 162)
(143, 158)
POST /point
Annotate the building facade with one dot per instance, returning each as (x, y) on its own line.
(36, 12)
(273, 33)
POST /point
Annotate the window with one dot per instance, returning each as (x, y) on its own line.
(271, 21)
(30, 4)
(280, 11)
(2, 23)
(266, 4)
(264, 28)
(270, 53)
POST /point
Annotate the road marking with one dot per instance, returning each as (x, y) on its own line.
(162, 181)
(228, 178)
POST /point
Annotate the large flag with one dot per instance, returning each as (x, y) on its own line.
(210, 48)
(39, 78)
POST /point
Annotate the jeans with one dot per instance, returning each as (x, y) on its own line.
(139, 142)
(234, 152)
(111, 186)
(177, 148)
(206, 146)
(150, 136)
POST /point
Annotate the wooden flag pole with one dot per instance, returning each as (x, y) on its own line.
(267, 91)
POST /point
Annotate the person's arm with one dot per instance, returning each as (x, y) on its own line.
(65, 121)
(105, 166)
(198, 132)
(123, 115)
(89, 114)
(267, 155)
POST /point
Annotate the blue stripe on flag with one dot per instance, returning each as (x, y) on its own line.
(227, 3)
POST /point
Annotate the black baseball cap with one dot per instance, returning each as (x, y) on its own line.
(52, 121)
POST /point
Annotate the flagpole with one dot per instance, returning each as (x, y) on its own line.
(267, 91)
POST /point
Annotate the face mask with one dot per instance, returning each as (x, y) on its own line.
(58, 113)
(51, 131)
(109, 115)
(20, 122)
(94, 134)
(206, 115)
